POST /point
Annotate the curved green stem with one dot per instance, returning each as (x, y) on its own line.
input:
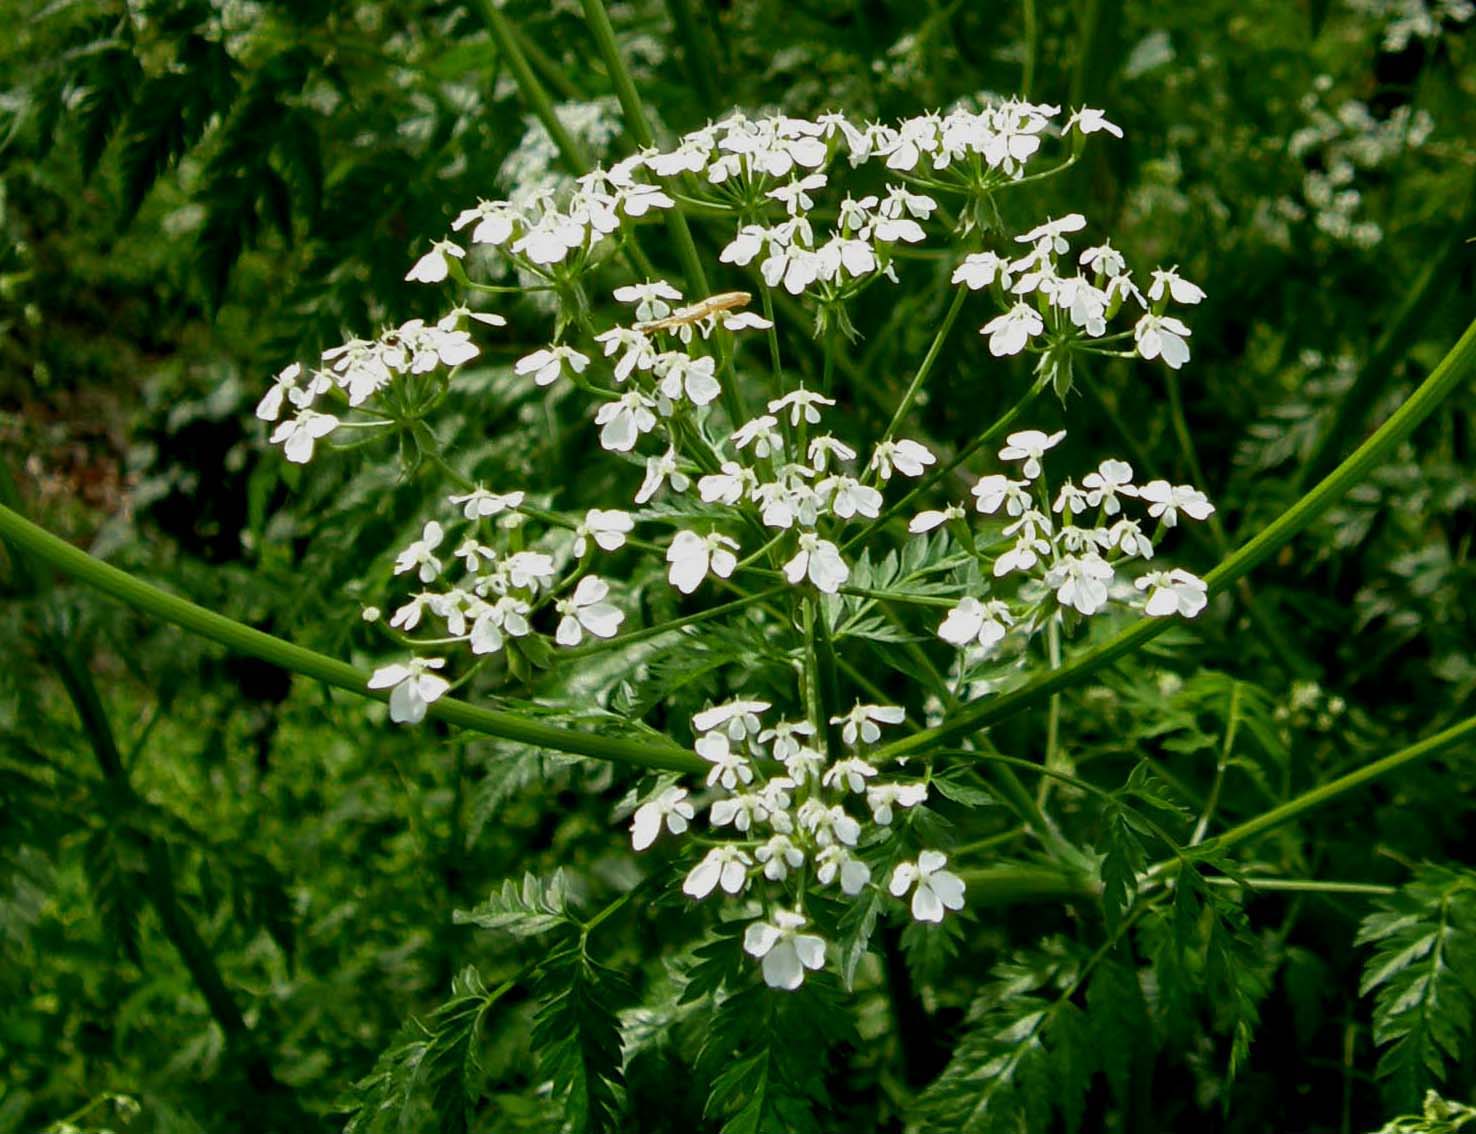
(58, 554)
(1442, 381)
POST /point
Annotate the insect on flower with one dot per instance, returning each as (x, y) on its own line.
(686, 316)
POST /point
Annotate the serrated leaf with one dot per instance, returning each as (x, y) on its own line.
(536, 907)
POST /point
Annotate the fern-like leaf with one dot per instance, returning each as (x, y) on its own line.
(576, 1034)
(534, 908)
(1423, 970)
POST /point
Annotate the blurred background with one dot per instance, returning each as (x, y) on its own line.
(233, 921)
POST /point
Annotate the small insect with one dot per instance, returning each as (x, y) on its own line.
(686, 316)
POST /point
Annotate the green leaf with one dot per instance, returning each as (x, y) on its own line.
(535, 908)
(1423, 970)
(576, 1034)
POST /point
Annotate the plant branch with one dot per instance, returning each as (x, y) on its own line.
(1442, 381)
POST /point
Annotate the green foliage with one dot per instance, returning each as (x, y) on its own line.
(1423, 972)
(430, 1075)
(192, 193)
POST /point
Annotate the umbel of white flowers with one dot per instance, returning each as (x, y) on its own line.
(788, 492)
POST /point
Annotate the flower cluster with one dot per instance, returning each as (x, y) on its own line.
(1069, 545)
(735, 495)
(794, 819)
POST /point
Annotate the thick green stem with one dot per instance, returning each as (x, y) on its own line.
(575, 160)
(62, 556)
(640, 131)
(1452, 371)
(697, 55)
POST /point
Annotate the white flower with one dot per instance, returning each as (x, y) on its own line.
(547, 364)
(883, 797)
(691, 556)
(1173, 592)
(785, 738)
(908, 458)
(820, 561)
(729, 768)
(434, 267)
(1052, 232)
(927, 521)
(670, 807)
(529, 569)
(508, 615)
(495, 220)
(1105, 259)
(728, 485)
(981, 269)
(862, 720)
(411, 687)
(420, 553)
(1080, 582)
(662, 470)
(972, 622)
(693, 376)
(1178, 288)
(298, 435)
(937, 889)
(1127, 536)
(723, 866)
(829, 824)
(737, 719)
(1089, 121)
(1111, 480)
(994, 490)
(854, 874)
(283, 385)
(640, 353)
(1008, 333)
(587, 610)
(761, 433)
(786, 952)
(650, 299)
(607, 527)
(849, 497)
(1166, 501)
(624, 420)
(802, 404)
(1029, 445)
(778, 857)
(852, 772)
(479, 503)
(1162, 335)
(745, 246)
(825, 448)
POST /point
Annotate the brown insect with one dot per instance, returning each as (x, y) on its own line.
(686, 316)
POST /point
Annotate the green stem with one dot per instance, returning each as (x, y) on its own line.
(1325, 793)
(927, 482)
(1396, 338)
(575, 160)
(159, 881)
(640, 131)
(119, 585)
(927, 363)
(1442, 381)
(701, 63)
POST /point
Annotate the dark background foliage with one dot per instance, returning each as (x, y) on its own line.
(229, 895)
